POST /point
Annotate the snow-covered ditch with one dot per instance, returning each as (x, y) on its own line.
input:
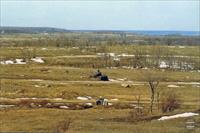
(183, 115)
(21, 61)
(16, 61)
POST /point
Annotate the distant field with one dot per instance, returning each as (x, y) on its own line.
(56, 74)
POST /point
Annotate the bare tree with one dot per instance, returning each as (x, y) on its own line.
(139, 60)
(153, 80)
(153, 85)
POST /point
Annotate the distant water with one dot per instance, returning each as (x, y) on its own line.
(162, 33)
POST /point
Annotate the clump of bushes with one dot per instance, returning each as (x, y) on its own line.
(138, 114)
(170, 102)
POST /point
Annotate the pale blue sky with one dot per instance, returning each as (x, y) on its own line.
(102, 15)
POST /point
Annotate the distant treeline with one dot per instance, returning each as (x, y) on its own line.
(92, 39)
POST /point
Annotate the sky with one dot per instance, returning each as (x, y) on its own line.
(177, 15)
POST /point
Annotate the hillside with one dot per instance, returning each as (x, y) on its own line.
(31, 30)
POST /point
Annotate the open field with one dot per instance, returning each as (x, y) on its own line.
(35, 94)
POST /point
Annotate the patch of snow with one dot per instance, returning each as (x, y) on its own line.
(163, 64)
(17, 61)
(114, 99)
(111, 54)
(171, 46)
(20, 61)
(110, 104)
(6, 106)
(36, 86)
(125, 85)
(64, 107)
(89, 97)
(7, 62)
(75, 47)
(82, 98)
(173, 86)
(58, 99)
(88, 104)
(100, 54)
(189, 114)
(198, 86)
(44, 48)
(126, 55)
(145, 68)
(181, 46)
(116, 59)
(127, 67)
(122, 79)
(189, 83)
(37, 60)
(36, 79)
(113, 80)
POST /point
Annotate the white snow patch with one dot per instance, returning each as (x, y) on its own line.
(44, 48)
(17, 61)
(173, 86)
(57, 99)
(113, 80)
(116, 59)
(83, 98)
(163, 64)
(7, 62)
(36, 86)
(114, 99)
(121, 79)
(88, 104)
(181, 46)
(63, 107)
(20, 61)
(189, 114)
(189, 83)
(126, 55)
(6, 106)
(110, 104)
(37, 60)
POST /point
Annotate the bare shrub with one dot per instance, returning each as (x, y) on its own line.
(138, 114)
(63, 126)
(169, 102)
